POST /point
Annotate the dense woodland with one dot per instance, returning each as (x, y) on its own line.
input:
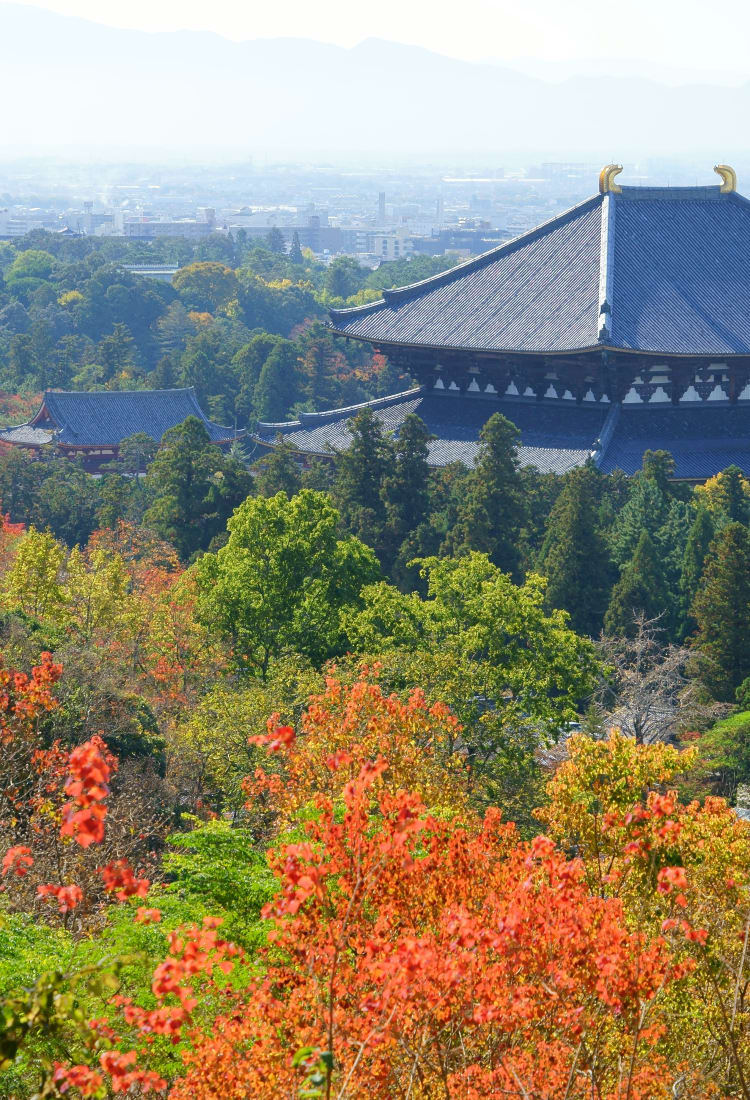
(241, 324)
(366, 779)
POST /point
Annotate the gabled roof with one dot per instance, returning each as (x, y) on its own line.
(555, 436)
(108, 417)
(661, 270)
(703, 437)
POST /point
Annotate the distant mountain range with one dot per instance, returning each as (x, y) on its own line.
(76, 85)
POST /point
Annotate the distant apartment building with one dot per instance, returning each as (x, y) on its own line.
(393, 246)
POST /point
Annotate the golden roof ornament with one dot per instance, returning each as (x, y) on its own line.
(728, 178)
(607, 179)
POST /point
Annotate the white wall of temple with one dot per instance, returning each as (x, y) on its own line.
(658, 377)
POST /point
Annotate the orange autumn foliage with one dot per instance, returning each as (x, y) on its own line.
(350, 725)
(414, 956)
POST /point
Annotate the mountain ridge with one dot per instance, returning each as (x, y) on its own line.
(82, 83)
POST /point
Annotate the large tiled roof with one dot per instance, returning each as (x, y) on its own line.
(662, 270)
(703, 440)
(555, 436)
(107, 417)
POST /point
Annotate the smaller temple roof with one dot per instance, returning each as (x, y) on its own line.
(555, 437)
(661, 270)
(702, 437)
(105, 418)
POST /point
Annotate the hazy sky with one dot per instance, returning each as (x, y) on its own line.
(676, 33)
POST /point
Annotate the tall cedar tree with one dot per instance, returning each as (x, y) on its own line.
(278, 472)
(275, 241)
(406, 491)
(278, 384)
(693, 560)
(647, 509)
(492, 512)
(361, 471)
(577, 563)
(722, 611)
(640, 589)
(732, 497)
(193, 488)
(295, 252)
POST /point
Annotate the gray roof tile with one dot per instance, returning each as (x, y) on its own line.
(679, 283)
(107, 417)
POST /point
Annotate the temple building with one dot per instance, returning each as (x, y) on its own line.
(91, 426)
(619, 326)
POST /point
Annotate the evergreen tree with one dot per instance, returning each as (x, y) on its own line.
(344, 277)
(275, 242)
(278, 472)
(693, 560)
(577, 562)
(405, 491)
(646, 509)
(731, 496)
(361, 471)
(295, 252)
(721, 609)
(116, 352)
(278, 384)
(163, 376)
(641, 589)
(492, 510)
(658, 466)
(193, 488)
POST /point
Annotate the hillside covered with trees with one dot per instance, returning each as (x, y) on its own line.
(363, 779)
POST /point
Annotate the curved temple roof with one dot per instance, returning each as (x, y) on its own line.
(703, 438)
(659, 270)
(105, 418)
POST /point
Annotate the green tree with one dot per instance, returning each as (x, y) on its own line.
(492, 511)
(406, 490)
(344, 277)
(193, 488)
(275, 241)
(205, 287)
(577, 561)
(295, 252)
(283, 579)
(699, 540)
(721, 609)
(116, 352)
(136, 453)
(278, 471)
(278, 384)
(646, 509)
(511, 672)
(641, 589)
(33, 582)
(361, 471)
(34, 263)
(726, 496)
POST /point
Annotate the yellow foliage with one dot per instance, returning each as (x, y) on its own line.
(70, 298)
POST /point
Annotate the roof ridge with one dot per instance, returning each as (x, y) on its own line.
(115, 393)
(473, 263)
(606, 268)
(306, 418)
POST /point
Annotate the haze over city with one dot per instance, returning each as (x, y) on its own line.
(414, 80)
